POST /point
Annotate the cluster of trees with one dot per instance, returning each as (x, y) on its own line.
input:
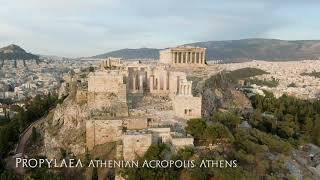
(42, 173)
(261, 154)
(270, 83)
(258, 153)
(244, 73)
(313, 73)
(9, 132)
(208, 134)
(225, 80)
(287, 117)
(155, 152)
(275, 126)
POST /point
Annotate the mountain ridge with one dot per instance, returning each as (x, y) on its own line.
(237, 50)
(128, 53)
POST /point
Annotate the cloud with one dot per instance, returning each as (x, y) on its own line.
(85, 28)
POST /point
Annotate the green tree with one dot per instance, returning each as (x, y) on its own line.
(8, 175)
(308, 125)
(34, 135)
(184, 154)
(196, 127)
(22, 118)
(316, 131)
(226, 118)
(155, 152)
(91, 69)
(217, 131)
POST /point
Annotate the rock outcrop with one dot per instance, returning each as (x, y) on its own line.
(66, 130)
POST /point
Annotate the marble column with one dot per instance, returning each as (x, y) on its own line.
(204, 57)
(187, 57)
(158, 83)
(197, 58)
(176, 55)
(151, 83)
(193, 57)
(134, 83)
(182, 57)
(165, 82)
(141, 83)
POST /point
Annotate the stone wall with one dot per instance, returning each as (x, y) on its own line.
(102, 131)
(135, 123)
(166, 56)
(110, 103)
(181, 143)
(160, 135)
(105, 81)
(136, 144)
(81, 97)
(187, 107)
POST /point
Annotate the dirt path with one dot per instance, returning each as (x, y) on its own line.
(20, 149)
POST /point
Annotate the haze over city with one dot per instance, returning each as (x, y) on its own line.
(85, 28)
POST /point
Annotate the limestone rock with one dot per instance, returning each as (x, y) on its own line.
(66, 130)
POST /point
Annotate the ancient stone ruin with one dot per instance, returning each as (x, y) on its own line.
(135, 104)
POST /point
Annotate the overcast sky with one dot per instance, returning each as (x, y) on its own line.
(76, 28)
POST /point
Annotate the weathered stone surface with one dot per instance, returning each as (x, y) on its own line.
(102, 131)
(136, 144)
(66, 130)
(181, 143)
(98, 114)
(187, 107)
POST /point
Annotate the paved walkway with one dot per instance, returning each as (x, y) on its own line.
(20, 149)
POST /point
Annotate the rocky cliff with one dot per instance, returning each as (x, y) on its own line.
(66, 129)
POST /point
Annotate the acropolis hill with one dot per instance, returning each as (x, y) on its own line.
(119, 109)
(131, 103)
(134, 104)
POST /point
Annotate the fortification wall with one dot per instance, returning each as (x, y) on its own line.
(187, 107)
(135, 123)
(135, 145)
(81, 96)
(181, 143)
(105, 81)
(102, 131)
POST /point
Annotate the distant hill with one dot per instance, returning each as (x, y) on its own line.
(238, 50)
(14, 52)
(262, 49)
(142, 53)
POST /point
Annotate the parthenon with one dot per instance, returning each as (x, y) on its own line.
(183, 55)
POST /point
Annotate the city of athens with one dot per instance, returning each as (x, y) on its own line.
(159, 90)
